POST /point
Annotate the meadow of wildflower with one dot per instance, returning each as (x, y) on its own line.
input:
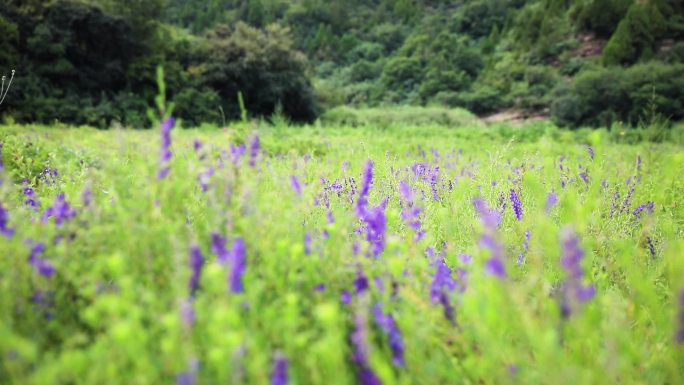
(339, 255)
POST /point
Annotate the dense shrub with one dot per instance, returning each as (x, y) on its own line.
(601, 96)
(636, 35)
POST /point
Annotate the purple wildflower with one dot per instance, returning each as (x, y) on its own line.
(648, 207)
(526, 246)
(490, 218)
(60, 210)
(254, 148)
(30, 194)
(49, 175)
(4, 228)
(190, 376)
(307, 243)
(410, 213)
(361, 282)
(516, 204)
(680, 318)
(389, 326)
(442, 284)
(296, 186)
(218, 247)
(187, 312)
(376, 226)
(551, 201)
(236, 152)
(204, 177)
(367, 180)
(434, 176)
(345, 297)
(320, 288)
(41, 265)
(87, 196)
(239, 264)
(574, 292)
(628, 199)
(359, 341)
(584, 177)
(590, 150)
(196, 262)
(374, 218)
(165, 149)
(279, 374)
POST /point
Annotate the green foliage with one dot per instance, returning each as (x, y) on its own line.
(480, 54)
(599, 97)
(120, 308)
(636, 35)
(263, 66)
(600, 16)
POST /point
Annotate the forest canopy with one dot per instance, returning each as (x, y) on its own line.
(588, 62)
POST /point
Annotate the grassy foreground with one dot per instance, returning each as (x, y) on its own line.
(319, 256)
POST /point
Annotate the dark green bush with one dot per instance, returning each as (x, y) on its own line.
(599, 97)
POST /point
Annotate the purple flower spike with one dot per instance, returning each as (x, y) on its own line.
(31, 197)
(526, 246)
(204, 177)
(410, 213)
(218, 247)
(196, 262)
(495, 264)
(367, 180)
(307, 243)
(238, 267)
(574, 291)
(279, 376)
(236, 152)
(254, 149)
(376, 226)
(187, 312)
(41, 265)
(359, 342)
(60, 210)
(495, 267)
(584, 177)
(442, 284)
(165, 149)
(590, 150)
(190, 376)
(345, 297)
(516, 204)
(4, 228)
(361, 282)
(551, 201)
(490, 218)
(389, 326)
(296, 186)
(648, 207)
(87, 197)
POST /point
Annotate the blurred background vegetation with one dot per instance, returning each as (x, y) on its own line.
(584, 63)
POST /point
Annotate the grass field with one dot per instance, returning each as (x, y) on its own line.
(405, 255)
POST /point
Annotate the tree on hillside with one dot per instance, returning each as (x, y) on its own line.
(263, 66)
